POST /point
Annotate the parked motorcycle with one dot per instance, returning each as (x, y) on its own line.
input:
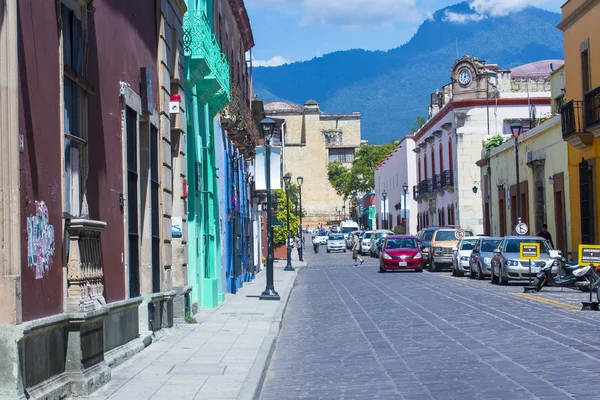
(546, 278)
(574, 274)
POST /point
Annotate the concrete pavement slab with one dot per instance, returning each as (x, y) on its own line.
(224, 356)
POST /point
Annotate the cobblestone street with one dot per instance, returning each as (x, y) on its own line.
(353, 333)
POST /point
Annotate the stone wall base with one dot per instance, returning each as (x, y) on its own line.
(181, 304)
(67, 354)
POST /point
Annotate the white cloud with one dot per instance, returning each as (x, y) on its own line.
(347, 13)
(459, 18)
(273, 62)
(497, 8)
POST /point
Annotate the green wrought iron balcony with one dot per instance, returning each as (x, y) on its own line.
(202, 46)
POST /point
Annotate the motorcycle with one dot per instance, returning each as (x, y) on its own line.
(575, 274)
(546, 278)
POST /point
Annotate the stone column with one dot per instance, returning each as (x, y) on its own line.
(10, 235)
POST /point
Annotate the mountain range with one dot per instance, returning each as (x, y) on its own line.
(391, 88)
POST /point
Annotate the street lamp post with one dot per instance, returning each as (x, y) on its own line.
(384, 194)
(268, 125)
(300, 180)
(344, 210)
(405, 189)
(287, 178)
(516, 130)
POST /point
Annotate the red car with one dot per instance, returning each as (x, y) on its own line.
(400, 252)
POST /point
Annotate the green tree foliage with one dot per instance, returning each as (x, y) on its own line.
(280, 232)
(360, 178)
(419, 122)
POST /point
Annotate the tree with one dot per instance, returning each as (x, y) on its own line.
(340, 178)
(419, 122)
(367, 158)
(360, 178)
(280, 232)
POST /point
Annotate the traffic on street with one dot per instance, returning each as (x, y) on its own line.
(351, 332)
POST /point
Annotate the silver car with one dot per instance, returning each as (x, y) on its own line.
(507, 264)
(365, 242)
(480, 262)
(336, 242)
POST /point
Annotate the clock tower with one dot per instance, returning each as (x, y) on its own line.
(469, 79)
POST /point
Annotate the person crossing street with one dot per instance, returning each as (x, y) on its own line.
(355, 245)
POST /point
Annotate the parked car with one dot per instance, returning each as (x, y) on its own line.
(335, 229)
(321, 237)
(507, 264)
(400, 252)
(336, 242)
(378, 234)
(424, 238)
(441, 247)
(347, 227)
(480, 262)
(349, 239)
(462, 253)
(365, 242)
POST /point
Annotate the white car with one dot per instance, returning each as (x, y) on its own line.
(462, 254)
(336, 242)
(365, 242)
(321, 237)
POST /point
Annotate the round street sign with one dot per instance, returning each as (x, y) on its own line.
(460, 234)
(521, 228)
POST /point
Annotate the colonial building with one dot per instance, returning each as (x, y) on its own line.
(86, 141)
(312, 139)
(481, 100)
(580, 117)
(393, 175)
(543, 174)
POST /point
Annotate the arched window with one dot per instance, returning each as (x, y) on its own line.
(425, 167)
(432, 162)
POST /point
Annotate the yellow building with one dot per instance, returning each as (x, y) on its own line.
(581, 116)
(311, 139)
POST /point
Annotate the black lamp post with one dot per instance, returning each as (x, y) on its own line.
(300, 180)
(516, 130)
(287, 178)
(384, 194)
(344, 210)
(268, 126)
(405, 190)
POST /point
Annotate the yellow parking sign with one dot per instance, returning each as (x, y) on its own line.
(530, 251)
(589, 254)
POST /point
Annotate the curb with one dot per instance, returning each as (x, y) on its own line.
(252, 387)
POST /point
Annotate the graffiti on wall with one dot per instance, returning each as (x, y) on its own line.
(40, 240)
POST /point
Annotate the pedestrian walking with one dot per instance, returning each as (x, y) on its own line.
(299, 246)
(546, 235)
(355, 246)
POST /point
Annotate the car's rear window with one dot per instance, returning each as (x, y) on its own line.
(403, 243)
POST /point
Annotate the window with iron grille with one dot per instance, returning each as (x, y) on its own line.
(341, 155)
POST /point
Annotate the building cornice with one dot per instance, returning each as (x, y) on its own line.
(243, 22)
(580, 11)
(459, 104)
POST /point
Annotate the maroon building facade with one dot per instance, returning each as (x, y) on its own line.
(83, 88)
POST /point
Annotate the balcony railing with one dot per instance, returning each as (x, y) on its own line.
(447, 179)
(572, 119)
(437, 181)
(416, 192)
(199, 41)
(426, 186)
(592, 108)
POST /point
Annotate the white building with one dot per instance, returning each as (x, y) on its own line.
(480, 101)
(391, 175)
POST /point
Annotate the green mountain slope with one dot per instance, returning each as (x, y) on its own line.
(391, 88)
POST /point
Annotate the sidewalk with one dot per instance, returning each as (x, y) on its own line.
(224, 356)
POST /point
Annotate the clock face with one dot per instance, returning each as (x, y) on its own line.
(464, 77)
